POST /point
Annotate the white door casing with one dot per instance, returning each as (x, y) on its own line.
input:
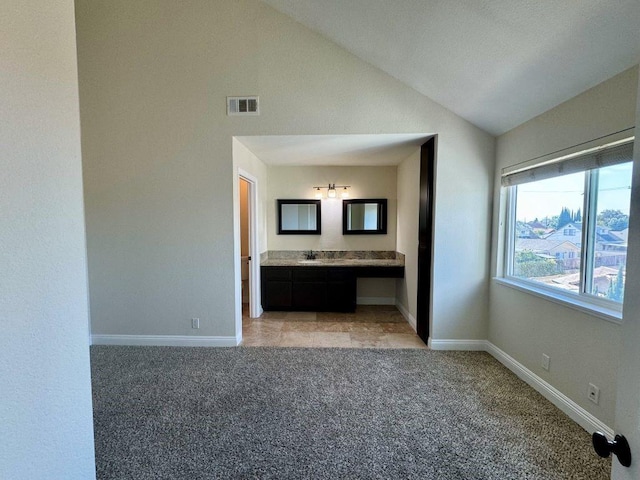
(627, 421)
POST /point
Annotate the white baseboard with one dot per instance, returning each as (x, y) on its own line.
(164, 340)
(411, 320)
(578, 414)
(473, 345)
(375, 300)
(559, 399)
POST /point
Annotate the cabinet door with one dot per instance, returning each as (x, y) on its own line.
(309, 295)
(276, 295)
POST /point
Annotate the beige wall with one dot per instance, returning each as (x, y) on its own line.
(157, 155)
(583, 348)
(297, 183)
(408, 212)
(46, 426)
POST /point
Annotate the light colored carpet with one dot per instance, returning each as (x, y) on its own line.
(199, 413)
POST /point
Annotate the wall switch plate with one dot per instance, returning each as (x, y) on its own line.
(195, 323)
(546, 360)
(594, 393)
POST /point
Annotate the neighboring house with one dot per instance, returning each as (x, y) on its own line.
(622, 235)
(564, 245)
(540, 229)
(524, 230)
(570, 232)
(606, 239)
(566, 253)
(537, 225)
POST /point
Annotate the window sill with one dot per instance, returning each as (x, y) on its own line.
(578, 304)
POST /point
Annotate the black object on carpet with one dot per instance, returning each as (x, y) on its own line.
(200, 413)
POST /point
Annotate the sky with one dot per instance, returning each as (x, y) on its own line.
(547, 197)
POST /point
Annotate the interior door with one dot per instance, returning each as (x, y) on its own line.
(628, 397)
(425, 236)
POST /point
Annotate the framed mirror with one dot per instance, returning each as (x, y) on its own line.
(299, 217)
(364, 216)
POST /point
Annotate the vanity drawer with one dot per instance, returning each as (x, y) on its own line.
(316, 274)
(276, 273)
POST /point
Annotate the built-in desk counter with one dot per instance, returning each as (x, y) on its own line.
(324, 284)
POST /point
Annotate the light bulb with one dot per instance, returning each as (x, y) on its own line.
(345, 193)
(318, 193)
(331, 193)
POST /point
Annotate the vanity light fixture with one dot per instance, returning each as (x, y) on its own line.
(331, 191)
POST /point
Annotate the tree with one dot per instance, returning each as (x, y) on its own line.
(529, 265)
(616, 287)
(613, 219)
(564, 218)
(578, 216)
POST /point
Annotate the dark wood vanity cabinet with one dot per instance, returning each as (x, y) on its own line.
(309, 289)
(276, 288)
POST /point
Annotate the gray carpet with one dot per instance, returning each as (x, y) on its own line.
(199, 413)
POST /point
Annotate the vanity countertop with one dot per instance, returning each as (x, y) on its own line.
(333, 262)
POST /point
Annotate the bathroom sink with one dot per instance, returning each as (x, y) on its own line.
(307, 262)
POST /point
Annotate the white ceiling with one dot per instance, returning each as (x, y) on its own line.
(496, 63)
(352, 150)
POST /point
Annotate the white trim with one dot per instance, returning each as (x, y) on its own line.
(411, 320)
(166, 340)
(559, 399)
(470, 344)
(375, 300)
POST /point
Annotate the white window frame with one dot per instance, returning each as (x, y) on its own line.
(583, 300)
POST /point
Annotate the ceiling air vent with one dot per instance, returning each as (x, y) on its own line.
(243, 105)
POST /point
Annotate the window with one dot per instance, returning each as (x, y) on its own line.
(568, 225)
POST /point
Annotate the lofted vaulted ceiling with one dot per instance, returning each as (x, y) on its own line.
(497, 63)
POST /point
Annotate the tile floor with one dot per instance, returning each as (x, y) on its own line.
(371, 326)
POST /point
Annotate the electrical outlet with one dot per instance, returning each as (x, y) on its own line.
(195, 323)
(594, 393)
(546, 360)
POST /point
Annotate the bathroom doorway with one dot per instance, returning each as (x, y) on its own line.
(248, 292)
(245, 245)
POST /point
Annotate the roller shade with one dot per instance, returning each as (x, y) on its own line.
(594, 158)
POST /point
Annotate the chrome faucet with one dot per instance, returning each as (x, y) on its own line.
(310, 255)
